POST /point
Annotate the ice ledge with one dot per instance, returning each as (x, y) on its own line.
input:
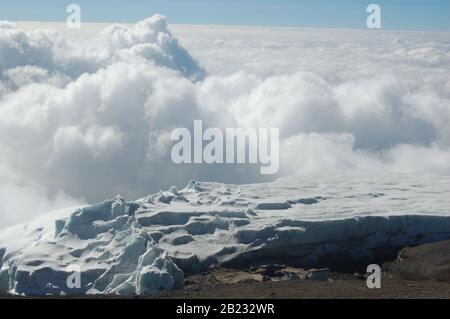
(146, 246)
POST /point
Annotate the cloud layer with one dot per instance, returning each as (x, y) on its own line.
(84, 120)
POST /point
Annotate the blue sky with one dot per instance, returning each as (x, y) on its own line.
(396, 14)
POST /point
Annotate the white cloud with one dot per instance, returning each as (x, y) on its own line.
(22, 199)
(418, 159)
(86, 120)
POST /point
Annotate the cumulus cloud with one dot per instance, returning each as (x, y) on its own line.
(81, 121)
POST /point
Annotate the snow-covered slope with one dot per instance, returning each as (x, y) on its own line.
(149, 245)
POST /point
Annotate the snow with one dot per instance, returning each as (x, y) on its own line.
(149, 245)
(114, 254)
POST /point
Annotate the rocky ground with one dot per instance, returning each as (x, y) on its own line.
(426, 262)
(350, 287)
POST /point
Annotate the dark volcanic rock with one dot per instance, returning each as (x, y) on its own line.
(424, 262)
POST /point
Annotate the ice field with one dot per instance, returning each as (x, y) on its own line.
(148, 245)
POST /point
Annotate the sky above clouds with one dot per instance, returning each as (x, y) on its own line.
(396, 14)
(88, 117)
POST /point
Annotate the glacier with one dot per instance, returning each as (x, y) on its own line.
(339, 220)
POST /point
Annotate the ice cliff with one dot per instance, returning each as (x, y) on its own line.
(149, 245)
